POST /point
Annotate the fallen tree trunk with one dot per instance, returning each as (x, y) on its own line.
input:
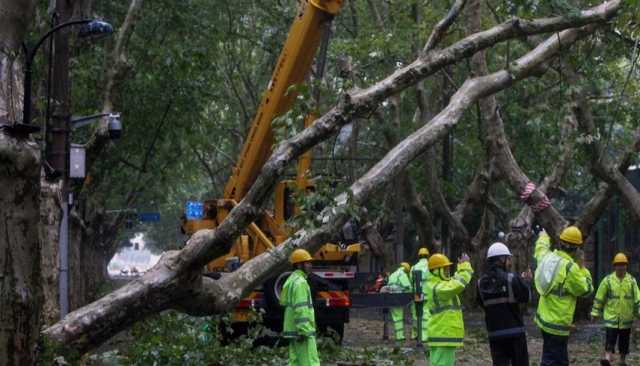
(221, 295)
(174, 281)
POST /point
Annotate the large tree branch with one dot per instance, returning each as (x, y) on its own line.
(223, 294)
(170, 279)
(600, 200)
(600, 164)
(440, 30)
(420, 213)
(505, 161)
(522, 222)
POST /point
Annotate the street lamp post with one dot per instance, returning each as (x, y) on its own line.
(91, 28)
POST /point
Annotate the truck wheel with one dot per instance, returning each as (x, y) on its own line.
(272, 288)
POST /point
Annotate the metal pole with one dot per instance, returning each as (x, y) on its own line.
(29, 55)
(63, 275)
(419, 302)
(385, 322)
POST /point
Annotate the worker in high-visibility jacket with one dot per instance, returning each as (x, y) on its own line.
(299, 318)
(560, 279)
(399, 282)
(445, 326)
(421, 266)
(619, 297)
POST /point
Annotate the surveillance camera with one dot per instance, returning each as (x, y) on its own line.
(115, 126)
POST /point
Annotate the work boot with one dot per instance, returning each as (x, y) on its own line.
(604, 362)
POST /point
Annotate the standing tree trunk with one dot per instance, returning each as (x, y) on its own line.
(20, 292)
(49, 233)
(93, 246)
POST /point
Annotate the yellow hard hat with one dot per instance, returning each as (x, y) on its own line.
(423, 252)
(571, 235)
(406, 266)
(620, 258)
(438, 261)
(299, 256)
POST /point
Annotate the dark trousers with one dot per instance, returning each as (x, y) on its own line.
(510, 351)
(620, 336)
(554, 350)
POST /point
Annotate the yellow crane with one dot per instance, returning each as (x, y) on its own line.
(337, 265)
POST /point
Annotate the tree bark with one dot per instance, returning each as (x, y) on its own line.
(49, 233)
(20, 287)
(378, 246)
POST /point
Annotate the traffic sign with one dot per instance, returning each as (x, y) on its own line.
(194, 210)
(149, 216)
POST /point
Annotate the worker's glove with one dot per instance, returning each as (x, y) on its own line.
(527, 275)
(463, 258)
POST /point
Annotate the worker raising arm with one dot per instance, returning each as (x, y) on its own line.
(559, 279)
(446, 326)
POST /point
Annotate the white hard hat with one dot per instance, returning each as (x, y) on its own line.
(497, 249)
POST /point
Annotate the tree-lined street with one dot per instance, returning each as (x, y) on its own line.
(229, 134)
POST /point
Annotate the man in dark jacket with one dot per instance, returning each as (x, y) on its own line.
(500, 294)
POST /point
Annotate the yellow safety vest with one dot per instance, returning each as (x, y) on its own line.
(299, 316)
(446, 326)
(620, 300)
(567, 282)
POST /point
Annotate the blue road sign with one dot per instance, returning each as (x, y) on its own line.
(194, 210)
(149, 216)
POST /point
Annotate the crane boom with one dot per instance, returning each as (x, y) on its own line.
(336, 263)
(292, 68)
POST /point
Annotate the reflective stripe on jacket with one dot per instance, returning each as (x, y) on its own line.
(620, 300)
(500, 294)
(299, 317)
(400, 280)
(446, 326)
(556, 307)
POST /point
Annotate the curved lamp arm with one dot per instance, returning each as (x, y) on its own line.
(30, 54)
